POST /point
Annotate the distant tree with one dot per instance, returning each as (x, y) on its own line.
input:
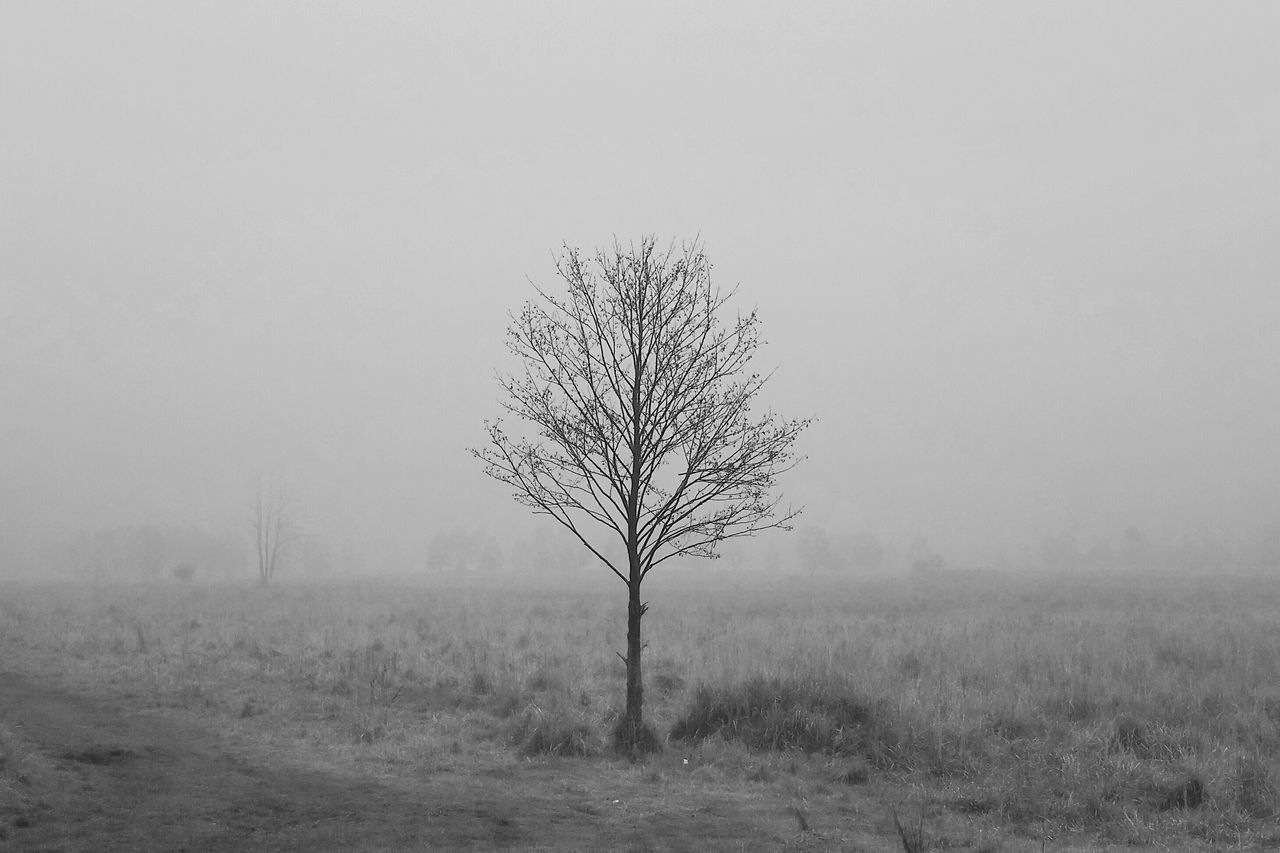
(1264, 549)
(641, 400)
(273, 527)
(1134, 550)
(865, 551)
(813, 547)
(546, 552)
(184, 571)
(769, 558)
(150, 551)
(1204, 551)
(1101, 555)
(922, 560)
(460, 550)
(1061, 552)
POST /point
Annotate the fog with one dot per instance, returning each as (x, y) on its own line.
(1020, 260)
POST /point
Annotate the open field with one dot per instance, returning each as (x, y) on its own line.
(990, 712)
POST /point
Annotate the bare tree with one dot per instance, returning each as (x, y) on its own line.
(273, 527)
(641, 400)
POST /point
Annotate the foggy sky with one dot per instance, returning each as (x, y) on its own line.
(1021, 260)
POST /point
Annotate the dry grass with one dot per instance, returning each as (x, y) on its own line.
(1133, 709)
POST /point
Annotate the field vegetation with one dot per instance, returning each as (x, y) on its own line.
(988, 708)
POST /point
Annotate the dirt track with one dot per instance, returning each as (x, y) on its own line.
(103, 775)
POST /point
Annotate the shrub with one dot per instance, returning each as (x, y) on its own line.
(777, 714)
(553, 732)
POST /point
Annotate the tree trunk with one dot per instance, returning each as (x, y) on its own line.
(635, 686)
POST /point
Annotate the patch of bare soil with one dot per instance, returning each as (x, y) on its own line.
(91, 773)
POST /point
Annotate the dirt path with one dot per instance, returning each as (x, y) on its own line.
(89, 773)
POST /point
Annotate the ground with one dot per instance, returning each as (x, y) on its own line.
(107, 773)
(995, 714)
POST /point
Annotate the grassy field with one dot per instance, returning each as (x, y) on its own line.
(1084, 711)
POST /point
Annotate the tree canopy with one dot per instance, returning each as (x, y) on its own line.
(642, 404)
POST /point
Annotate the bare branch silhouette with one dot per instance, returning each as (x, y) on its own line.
(640, 395)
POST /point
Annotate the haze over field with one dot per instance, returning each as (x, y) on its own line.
(1020, 260)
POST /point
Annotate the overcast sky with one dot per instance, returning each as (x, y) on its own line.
(1021, 260)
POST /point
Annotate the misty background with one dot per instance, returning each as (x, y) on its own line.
(1019, 259)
